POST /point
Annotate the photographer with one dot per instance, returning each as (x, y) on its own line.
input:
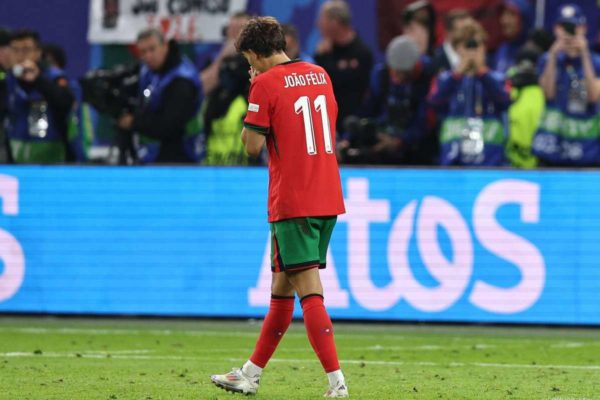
(474, 101)
(569, 77)
(528, 104)
(39, 104)
(396, 110)
(210, 76)
(516, 19)
(170, 96)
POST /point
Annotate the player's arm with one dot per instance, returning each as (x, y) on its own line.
(258, 118)
(253, 141)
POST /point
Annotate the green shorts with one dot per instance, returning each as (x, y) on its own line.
(300, 243)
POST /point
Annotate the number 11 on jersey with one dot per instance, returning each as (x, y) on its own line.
(302, 105)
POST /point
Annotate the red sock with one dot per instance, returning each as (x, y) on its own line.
(276, 322)
(320, 331)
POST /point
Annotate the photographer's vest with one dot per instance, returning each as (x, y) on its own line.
(81, 127)
(33, 131)
(152, 87)
(223, 144)
(525, 115)
(474, 131)
(569, 132)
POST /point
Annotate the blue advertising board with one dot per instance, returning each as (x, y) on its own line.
(429, 245)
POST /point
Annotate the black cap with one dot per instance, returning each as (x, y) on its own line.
(5, 36)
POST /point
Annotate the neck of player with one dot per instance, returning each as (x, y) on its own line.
(276, 59)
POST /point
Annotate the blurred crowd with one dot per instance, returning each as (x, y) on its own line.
(532, 101)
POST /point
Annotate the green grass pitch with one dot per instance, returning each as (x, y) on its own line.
(53, 358)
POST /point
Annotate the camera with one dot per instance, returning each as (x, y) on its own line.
(524, 72)
(472, 44)
(569, 27)
(112, 91)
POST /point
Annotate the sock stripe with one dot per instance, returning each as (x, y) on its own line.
(311, 295)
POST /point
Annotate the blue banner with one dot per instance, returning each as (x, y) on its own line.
(430, 245)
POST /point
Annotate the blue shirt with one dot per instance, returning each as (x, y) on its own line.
(566, 69)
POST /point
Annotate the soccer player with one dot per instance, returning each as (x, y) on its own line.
(293, 109)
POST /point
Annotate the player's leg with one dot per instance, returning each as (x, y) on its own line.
(274, 326)
(318, 325)
(319, 328)
(246, 379)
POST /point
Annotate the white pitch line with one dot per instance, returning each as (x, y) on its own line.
(108, 355)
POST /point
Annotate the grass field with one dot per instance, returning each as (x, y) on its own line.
(46, 358)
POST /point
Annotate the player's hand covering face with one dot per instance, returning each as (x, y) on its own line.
(253, 73)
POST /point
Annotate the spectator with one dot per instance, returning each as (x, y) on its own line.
(476, 100)
(170, 95)
(445, 57)
(39, 104)
(516, 18)
(80, 132)
(528, 105)
(344, 56)
(210, 76)
(396, 107)
(418, 21)
(568, 134)
(223, 113)
(5, 66)
(292, 44)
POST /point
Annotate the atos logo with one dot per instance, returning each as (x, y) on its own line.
(453, 275)
(11, 253)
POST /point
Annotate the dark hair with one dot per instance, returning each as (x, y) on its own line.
(290, 30)
(262, 35)
(23, 34)
(454, 16)
(410, 13)
(5, 36)
(542, 39)
(56, 53)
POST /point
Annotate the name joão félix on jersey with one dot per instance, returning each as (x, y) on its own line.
(310, 79)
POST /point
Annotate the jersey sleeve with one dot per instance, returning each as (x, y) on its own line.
(258, 118)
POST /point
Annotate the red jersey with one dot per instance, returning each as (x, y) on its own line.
(294, 106)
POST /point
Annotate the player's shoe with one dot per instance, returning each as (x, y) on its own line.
(236, 381)
(339, 391)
